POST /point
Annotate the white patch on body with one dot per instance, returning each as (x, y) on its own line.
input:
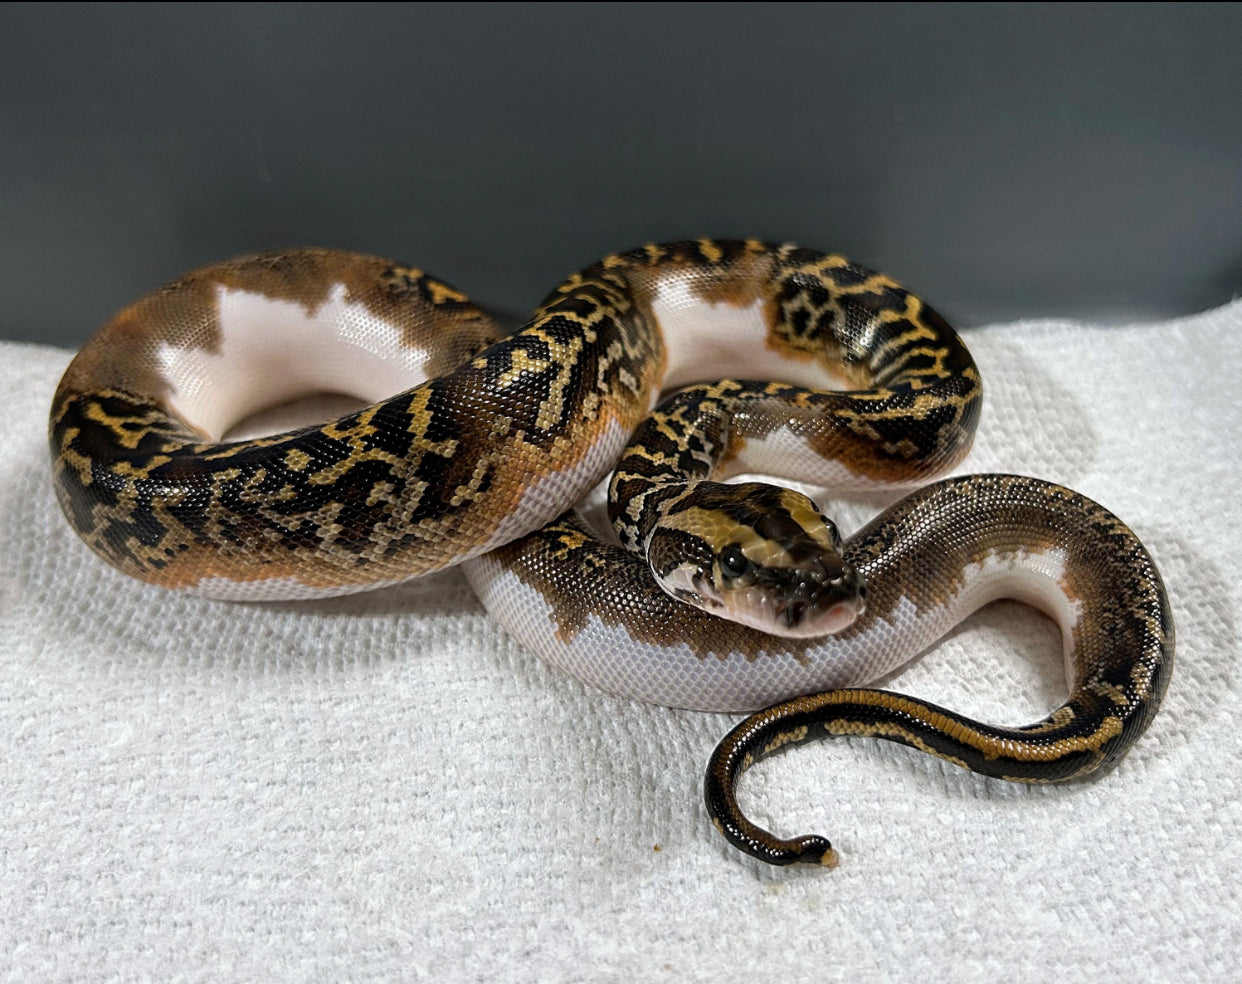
(607, 657)
(272, 351)
(706, 342)
(1030, 576)
(786, 455)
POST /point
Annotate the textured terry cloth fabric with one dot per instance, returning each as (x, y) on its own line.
(385, 787)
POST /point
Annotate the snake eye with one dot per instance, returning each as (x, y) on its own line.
(733, 562)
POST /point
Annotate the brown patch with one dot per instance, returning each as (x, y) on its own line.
(1122, 645)
(580, 576)
(747, 279)
(425, 312)
(919, 550)
(799, 350)
(121, 355)
(916, 425)
(739, 282)
(895, 437)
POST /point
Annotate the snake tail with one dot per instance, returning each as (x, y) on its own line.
(1118, 638)
(1083, 735)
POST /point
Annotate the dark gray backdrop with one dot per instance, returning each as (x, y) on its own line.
(1003, 160)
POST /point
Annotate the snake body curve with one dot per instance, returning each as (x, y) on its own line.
(489, 441)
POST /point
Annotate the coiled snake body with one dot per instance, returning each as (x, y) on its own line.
(488, 440)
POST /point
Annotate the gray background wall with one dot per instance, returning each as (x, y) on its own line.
(1003, 160)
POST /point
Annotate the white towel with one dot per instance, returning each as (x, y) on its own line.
(385, 787)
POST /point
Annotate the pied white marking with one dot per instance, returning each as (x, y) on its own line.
(607, 657)
(786, 455)
(716, 341)
(1033, 577)
(272, 351)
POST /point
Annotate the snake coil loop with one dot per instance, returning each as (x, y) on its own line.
(489, 442)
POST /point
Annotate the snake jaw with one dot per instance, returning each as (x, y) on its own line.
(758, 555)
(788, 603)
(803, 603)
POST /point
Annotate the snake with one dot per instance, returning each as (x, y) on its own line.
(680, 368)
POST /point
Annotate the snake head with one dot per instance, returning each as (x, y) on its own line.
(759, 555)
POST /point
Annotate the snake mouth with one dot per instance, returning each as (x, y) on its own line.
(801, 619)
(809, 610)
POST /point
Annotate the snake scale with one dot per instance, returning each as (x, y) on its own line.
(816, 369)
